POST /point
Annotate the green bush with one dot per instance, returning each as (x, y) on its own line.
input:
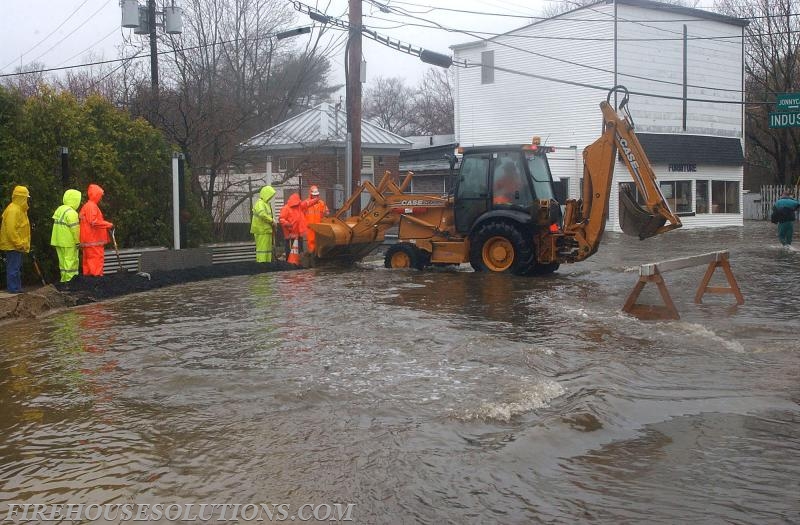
(128, 157)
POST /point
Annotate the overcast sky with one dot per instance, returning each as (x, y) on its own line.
(60, 33)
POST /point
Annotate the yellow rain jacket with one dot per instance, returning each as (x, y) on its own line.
(262, 212)
(66, 225)
(15, 232)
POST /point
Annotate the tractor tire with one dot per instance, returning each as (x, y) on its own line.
(500, 247)
(404, 255)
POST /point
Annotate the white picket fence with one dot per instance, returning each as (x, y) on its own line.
(759, 207)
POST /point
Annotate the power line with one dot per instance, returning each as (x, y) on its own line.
(37, 44)
(76, 55)
(73, 31)
(542, 37)
(605, 88)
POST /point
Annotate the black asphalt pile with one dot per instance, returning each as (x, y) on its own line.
(87, 289)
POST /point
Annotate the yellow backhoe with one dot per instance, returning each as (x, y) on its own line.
(502, 215)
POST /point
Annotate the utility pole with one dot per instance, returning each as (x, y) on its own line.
(354, 97)
(151, 16)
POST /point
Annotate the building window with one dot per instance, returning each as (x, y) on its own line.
(631, 187)
(487, 67)
(724, 196)
(561, 190)
(701, 197)
(288, 163)
(678, 195)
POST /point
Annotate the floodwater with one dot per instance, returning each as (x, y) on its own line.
(442, 396)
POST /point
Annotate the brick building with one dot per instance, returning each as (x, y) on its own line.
(310, 149)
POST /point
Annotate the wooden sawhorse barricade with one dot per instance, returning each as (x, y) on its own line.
(651, 273)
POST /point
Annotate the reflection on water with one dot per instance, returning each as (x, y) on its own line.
(440, 396)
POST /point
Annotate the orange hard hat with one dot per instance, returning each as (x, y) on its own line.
(314, 190)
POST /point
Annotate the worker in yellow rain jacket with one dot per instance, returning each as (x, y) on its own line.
(66, 234)
(263, 225)
(15, 237)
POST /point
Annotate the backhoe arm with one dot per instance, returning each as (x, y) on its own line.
(585, 220)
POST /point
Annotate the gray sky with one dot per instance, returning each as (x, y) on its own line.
(61, 33)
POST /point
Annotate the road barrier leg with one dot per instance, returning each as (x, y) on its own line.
(651, 312)
(705, 288)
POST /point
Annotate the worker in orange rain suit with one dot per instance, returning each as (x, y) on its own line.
(263, 224)
(314, 214)
(94, 232)
(66, 234)
(293, 220)
(15, 237)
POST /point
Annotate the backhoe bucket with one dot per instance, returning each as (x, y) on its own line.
(636, 220)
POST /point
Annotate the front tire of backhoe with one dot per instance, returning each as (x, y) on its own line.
(403, 256)
(499, 247)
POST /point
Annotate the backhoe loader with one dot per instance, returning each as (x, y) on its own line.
(502, 215)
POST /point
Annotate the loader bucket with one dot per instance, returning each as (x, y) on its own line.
(336, 242)
(636, 220)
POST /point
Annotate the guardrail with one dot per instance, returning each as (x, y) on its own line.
(651, 273)
(129, 258)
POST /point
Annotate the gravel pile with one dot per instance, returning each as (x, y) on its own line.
(87, 289)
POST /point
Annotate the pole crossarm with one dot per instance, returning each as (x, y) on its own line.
(652, 273)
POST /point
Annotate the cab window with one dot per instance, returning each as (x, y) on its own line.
(509, 181)
(540, 173)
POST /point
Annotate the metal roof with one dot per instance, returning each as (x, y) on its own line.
(323, 125)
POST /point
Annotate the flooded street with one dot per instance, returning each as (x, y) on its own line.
(442, 396)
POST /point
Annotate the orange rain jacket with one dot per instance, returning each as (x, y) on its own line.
(94, 228)
(293, 218)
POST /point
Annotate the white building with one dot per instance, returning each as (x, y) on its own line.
(683, 67)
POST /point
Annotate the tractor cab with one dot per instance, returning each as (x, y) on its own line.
(509, 180)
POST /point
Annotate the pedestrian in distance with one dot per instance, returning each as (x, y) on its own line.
(66, 234)
(293, 222)
(15, 237)
(93, 232)
(783, 214)
(315, 211)
(263, 224)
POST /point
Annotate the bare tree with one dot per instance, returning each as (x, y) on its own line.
(27, 80)
(771, 67)
(390, 104)
(229, 77)
(434, 103)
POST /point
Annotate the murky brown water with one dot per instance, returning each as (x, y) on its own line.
(436, 397)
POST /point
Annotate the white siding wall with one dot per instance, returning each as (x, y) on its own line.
(516, 107)
(654, 50)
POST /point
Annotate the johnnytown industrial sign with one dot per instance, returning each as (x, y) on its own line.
(788, 111)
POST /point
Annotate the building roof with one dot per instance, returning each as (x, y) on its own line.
(428, 159)
(323, 125)
(692, 149)
(647, 4)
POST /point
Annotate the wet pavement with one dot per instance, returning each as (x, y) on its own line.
(442, 396)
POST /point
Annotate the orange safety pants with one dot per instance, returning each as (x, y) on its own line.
(93, 259)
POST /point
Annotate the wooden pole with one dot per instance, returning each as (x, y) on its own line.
(354, 97)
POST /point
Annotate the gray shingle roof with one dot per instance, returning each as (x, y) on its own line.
(692, 149)
(322, 125)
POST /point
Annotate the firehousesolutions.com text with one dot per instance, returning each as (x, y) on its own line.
(131, 512)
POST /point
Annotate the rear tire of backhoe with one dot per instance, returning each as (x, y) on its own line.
(404, 255)
(500, 247)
